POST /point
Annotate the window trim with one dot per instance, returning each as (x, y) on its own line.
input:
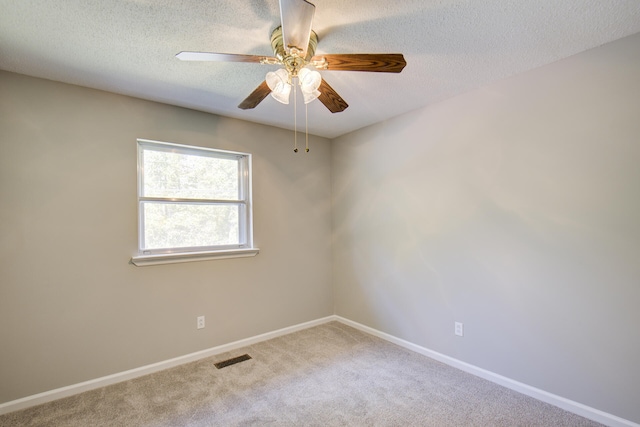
(201, 253)
(176, 257)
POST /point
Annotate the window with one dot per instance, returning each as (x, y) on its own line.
(193, 203)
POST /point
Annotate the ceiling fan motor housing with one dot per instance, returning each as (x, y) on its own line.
(290, 57)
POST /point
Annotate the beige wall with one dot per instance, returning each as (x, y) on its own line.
(515, 209)
(71, 306)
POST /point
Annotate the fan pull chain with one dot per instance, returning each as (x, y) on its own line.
(306, 128)
(295, 121)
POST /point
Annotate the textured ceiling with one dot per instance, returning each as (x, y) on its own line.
(451, 46)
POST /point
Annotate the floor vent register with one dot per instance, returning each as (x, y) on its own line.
(232, 361)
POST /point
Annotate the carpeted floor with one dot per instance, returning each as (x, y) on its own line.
(328, 375)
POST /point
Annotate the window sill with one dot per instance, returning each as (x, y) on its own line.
(145, 260)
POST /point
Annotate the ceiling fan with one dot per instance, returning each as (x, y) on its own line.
(294, 44)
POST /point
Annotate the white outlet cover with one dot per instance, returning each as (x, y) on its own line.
(459, 329)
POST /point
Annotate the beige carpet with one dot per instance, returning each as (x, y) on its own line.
(329, 375)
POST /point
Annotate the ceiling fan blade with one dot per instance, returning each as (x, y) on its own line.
(330, 98)
(376, 62)
(227, 57)
(297, 17)
(256, 97)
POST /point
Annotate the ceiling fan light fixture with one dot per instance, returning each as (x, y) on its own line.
(278, 82)
(309, 84)
(310, 96)
(309, 80)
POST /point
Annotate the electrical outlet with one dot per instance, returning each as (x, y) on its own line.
(459, 329)
(200, 322)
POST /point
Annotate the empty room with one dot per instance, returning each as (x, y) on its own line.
(323, 213)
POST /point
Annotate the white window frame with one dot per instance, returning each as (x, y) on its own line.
(200, 253)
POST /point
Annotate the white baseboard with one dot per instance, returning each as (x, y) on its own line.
(566, 404)
(70, 390)
(561, 402)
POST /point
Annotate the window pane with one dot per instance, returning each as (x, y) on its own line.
(187, 176)
(171, 225)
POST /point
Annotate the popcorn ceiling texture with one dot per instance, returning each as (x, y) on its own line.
(451, 46)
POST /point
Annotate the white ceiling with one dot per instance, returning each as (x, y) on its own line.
(451, 46)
